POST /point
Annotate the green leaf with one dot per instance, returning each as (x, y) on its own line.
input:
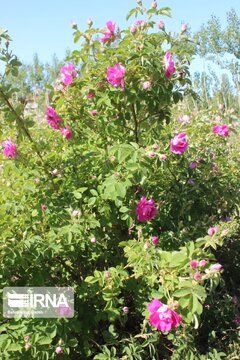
(14, 347)
(182, 292)
(45, 340)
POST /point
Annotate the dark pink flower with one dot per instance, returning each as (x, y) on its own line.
(66, 132)
(179, 144)
(155, 240)
(106, 36)
(115, 75)
(93, 112)
(109, 34)
(169, 64)
(111, 26)
(9, 149)
(44, 207)
(221, 130)
(91, 95)
(68, 73)
(193, 264)
(162, 317)
(146, 209)
(53, 119)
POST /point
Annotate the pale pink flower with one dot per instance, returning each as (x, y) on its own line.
(133, 29)
(141, 24)
(53, 119)
(59, 350)
(154, 4)
(212, 230)
(64, 311)
(162, 317)
(151, 154)
(93, 240)
(68, 73)
(9, 149)
(163, 157)
(147, 85)
(125, 309)
(183, 28)
(221, 130)
(169, 64)
(107, 274)
(115, 75)
(155, 146)
(193, 165)
(193, 264)
(146, 210)
(221, 106)
(185, 119)
(216, 267)
(44, 207)
(161, 25)
(66, 133)
(197, 276)
(26, 338)
(155, 240)
(202, 263)
(76, 214)
(179, 144)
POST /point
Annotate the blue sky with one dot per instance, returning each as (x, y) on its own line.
(43, 26)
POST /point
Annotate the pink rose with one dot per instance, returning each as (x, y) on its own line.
(133, 29)
(147, 85)
(146, 210)
(44, 207)
(193, 165)
(59, 350)
(111, 26)
(115, 75)
(66, 132)
(161, 25)
(216, 267)
(93, 240)
(202, 263)
(109, 34)
(162, 317)
(221, 130)
(125, 309)
(183, 28)
(169, 64)
(9, 149)
(155, 240)
(93, 112)
(212, 230)
(185, 119)
(193, 264)
(52, 118)
(197, 276)
(163, 157)
(179, 144)
(68, 73)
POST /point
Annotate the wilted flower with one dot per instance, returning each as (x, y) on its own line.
(66, 132)
(9, 149)
(146, 210)
(162, 317)
(147, 85)
(115, 75)
(221, 130)
(169, 64)
(179, 144)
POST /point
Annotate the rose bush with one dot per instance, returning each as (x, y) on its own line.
(101, 201)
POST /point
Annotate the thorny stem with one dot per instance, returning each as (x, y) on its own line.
(21, 124)
(136, 124)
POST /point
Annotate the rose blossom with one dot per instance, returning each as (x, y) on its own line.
(53, 119)
(185, 119)
(193, 165)
(155, 240)
(147, 85)
(115, 75)
(155, 146)
(66, 132)
(133, 29)
(183, 27)
(197, 276)
(202, 263)
(212, 230)
(161, 25)
(193, 264)
(68, 73)
(163, 157)
(107, 274)
(125, 309)
(91, 95)
(146, 210)
(179, 144)
(93, 240)
(109, 34)
(169, 64)
(44, 207)
(59, 350)
(221, 130)
(9, 149)
(93, 112)
(162, 317)
(216, 267)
